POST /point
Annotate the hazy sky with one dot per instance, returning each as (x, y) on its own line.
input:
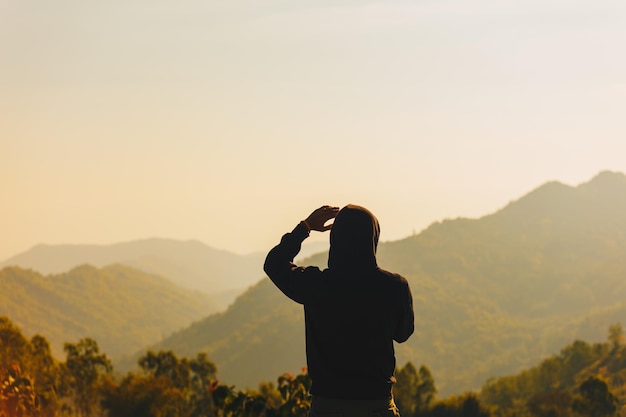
(229, 121)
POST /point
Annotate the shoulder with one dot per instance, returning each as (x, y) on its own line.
(394, 279)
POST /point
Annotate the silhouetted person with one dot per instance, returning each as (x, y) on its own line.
(353, 311)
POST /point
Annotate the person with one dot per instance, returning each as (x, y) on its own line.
(353, 311)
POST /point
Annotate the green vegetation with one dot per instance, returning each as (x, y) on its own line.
(84, 385)
(125, 308)
(584, 380)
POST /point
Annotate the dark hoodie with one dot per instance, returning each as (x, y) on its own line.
(353, 309)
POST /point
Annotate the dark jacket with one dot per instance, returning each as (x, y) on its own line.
(353, 309)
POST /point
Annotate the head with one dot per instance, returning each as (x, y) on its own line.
(353, 238)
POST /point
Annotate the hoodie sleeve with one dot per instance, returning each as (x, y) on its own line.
(279, 266)
(405, 324)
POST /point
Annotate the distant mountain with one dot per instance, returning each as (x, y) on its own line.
(492, 295)
(189, 264)
(122, 308)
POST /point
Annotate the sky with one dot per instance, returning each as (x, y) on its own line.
(229, 122)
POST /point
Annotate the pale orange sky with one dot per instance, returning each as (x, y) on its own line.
(124, 120)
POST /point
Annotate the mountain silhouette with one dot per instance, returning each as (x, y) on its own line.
(189, 264)
(492, 295)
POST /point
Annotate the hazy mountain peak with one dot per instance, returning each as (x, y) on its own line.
(86, 267)
(556, 200)
(609, 175)
(606, 181)
(544, 201)
(189, 263)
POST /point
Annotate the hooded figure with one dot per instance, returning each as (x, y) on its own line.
(354, 239)
(353, 309)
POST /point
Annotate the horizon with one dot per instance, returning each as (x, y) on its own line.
(309, 246)
(228, 124)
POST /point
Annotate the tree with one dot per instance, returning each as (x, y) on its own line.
(616, 336)
(405, 389)
(45, 371)
(13, 345)
(167, 364)
(574, 358)
(144, 396)
(551, 404)
(86, 368)
(271, 394)
(36, 365)
(193, 379)
(595, 399)
(426, 391)
(471, 407)
(466, 405)
(414, 390)
(203, 375)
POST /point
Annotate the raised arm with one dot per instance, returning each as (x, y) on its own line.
(279, 265)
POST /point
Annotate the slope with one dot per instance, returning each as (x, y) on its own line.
(492, 295)
(189, 264)
(124, 309)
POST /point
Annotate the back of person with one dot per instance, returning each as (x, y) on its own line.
(351, 322)
(353, 312)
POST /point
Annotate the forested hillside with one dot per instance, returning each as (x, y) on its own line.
(582, 380)
(492, 295)
(189, 264)
(35, 384)
(126, 309)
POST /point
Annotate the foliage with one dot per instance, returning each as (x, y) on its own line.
(30, 375)
(178, 387)
(616, 336)
(466, 405)
(86, 367)
(164, 386)
(13, 345)
(414, 391)
(595, 399)
(124, 308)
(550, 404)
(143, 396)
(577, 382)
(295, 394)
(17, 394)
(583, 380)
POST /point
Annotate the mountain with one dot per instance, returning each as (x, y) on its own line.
(492, 295)
(122, 308)
(189, 264)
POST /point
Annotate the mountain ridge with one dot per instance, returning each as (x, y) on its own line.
(190, 264)
(492, 295)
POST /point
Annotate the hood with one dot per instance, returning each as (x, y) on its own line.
(353, 239)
